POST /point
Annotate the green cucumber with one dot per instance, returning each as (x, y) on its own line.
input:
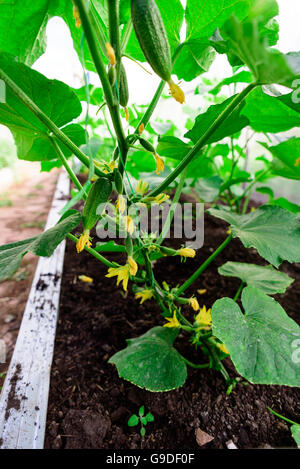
(147, 145)
(123, 88)
(151, 34)
(118, 179)
(98, 194)
(112, 75)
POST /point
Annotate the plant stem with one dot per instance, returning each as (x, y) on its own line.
(282, 417)
(68, 168)
(94, 253)
(172, 208)
(249, 190)
(100, 67)
(239, 291)
(193, 365)
(59, 134)
(210, 344)
(205, 264)
(203, 140)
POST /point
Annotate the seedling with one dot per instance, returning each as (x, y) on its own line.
(141, 419)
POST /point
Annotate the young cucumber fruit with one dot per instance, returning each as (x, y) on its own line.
(98, 194)
(123, 88)
(151, 34)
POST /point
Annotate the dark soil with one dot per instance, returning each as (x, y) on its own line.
(90, 405)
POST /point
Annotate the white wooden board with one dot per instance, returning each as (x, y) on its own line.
(24, 397)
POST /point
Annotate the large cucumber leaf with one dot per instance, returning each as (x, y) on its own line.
(41, 245)
(260, 341)
(271, 114)
(272, 230)
(151, 362)
(234, 123)
(56, 99)
(266, 278)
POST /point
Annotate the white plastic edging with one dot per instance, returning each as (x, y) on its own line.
(24, 397)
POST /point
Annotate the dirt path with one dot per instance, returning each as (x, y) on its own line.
(24, 209)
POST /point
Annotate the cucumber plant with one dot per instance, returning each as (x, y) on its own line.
(211, 162)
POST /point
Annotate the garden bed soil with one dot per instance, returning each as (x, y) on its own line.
(90, 405)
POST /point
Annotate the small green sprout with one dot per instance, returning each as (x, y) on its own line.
(142, 419)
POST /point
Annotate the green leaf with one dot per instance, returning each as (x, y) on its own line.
(144, 421)
(208, 189)
(23, 28)
(56, 99)
(203, 18)
(196, 57)
(143, 432)
(285, 203)
(234, 123)
(267, 279)
(172, 147)
(273, 231)
(295, 429)
(260, 341)
(133, 421)
(141, 411)
(41, 245)
(151, 362)
(246, 42)
(288, 153)
(92, 93)
(150, 417)
(271, 114)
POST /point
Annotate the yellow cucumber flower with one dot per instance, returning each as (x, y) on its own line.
(203, 318)
(159, 164)
(186, 252)
(126, 114)
(133, 267)
(122, 273)
(144, 295)
(202, 291)
(223, 348)
(85, 279)
(76, 17)
(129, 224)
(121, 204)
(173, 322)
(176, 92)
(141, 128)
(83, 241)
(111, 54)
(297, 162)
(141, 187)
(161, 198)
(194, 303)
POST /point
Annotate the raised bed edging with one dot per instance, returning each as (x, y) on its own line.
(24, 397)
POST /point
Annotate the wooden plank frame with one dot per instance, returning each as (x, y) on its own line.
(24, 397)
